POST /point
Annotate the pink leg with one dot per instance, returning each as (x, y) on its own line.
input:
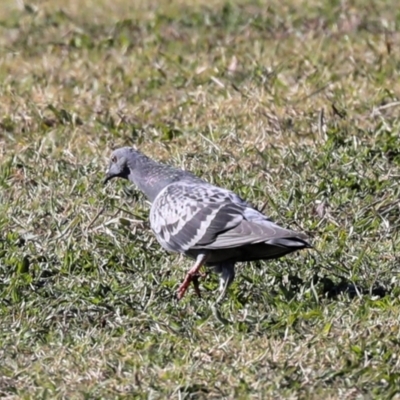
(192, 276)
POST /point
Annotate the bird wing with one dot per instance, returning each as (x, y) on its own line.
(193, 215)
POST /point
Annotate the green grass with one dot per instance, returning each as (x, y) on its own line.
(294, 105)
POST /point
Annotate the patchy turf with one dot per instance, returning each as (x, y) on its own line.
(294, 105)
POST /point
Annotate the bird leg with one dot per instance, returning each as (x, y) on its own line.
(193, 276)
(227, 272)
(196, 284)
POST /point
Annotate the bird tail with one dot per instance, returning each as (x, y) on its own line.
(290, 242)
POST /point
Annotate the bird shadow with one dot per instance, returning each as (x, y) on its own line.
(332, 290)
(326, 287)
(323, 287)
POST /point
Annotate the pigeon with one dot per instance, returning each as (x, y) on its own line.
(212, 225)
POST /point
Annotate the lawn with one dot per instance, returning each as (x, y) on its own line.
(292, 104)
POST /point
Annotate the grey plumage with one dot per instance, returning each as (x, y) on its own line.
(205, 222)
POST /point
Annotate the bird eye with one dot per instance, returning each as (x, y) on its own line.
(113, 159)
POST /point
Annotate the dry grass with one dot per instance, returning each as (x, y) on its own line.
(291, 104)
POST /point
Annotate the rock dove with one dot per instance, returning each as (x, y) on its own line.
(212, 225)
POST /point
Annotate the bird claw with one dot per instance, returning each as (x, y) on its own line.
(194, 278)
(184, 286)
(196, 284)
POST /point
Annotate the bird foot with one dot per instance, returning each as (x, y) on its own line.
(196, 284)
(183, 287)
(194, 278)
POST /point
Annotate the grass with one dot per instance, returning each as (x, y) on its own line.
(294, 105)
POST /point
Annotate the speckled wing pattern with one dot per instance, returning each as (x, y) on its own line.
(193, 215)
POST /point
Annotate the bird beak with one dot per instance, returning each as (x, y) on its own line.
(115, 171)
(108, 177)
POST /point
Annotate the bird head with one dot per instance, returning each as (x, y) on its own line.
(119, 166)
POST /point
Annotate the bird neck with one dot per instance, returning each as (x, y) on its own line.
(151, 177)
